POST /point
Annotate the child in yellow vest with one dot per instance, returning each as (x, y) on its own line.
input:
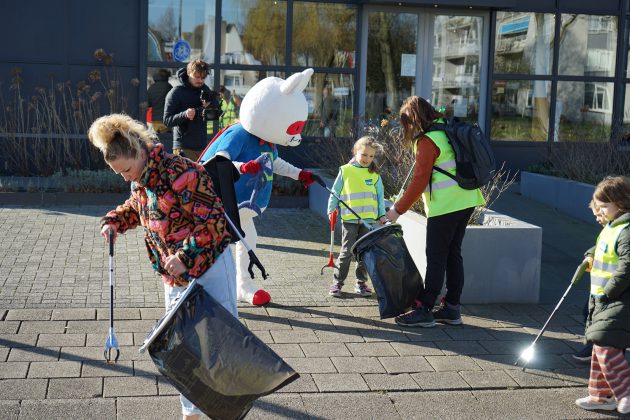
(359, 185)
(608, 322)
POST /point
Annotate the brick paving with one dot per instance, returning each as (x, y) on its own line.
(53, 324)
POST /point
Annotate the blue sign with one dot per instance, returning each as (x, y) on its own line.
(181, 50)
(515, 26)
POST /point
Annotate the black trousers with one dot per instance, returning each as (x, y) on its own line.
(445, 234)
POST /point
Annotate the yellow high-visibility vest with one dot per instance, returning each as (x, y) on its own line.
(358, 192)
(605, 260)
(444, 195)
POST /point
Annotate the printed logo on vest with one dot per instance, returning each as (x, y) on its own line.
(369, 182)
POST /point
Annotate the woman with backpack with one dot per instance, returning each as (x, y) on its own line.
(448, 208)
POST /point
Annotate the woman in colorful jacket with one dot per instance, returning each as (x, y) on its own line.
(173, 199)
(448, 208)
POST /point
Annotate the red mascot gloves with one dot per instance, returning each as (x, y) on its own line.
(308, 177)
(251, 167)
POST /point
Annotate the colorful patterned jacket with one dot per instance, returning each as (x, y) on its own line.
(180, 212)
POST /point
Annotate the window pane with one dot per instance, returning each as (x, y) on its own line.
(456, 56)
(585, 111)
(253, 32)
(181, 33)
(520, 110)
(391, 63)
(625, 137)
(324, 34)
(524, 43)
(588, 45)
(330, 102)
(158, 81)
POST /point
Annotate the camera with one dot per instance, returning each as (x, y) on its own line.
(212, 110)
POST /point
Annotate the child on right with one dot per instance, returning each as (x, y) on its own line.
(608, 321)
(359, 185)
(585, 353)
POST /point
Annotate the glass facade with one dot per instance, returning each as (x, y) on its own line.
(551, 75)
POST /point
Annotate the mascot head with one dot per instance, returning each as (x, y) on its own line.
(276, 110)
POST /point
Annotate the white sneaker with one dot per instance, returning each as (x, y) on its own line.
(588, 404)
(623, 405)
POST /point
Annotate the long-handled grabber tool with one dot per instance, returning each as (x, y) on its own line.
(402, 187)
(331, 261)
(528, 354)
(111, 344)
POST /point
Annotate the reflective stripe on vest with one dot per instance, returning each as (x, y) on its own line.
(229, 113)
(605, 260)
(446, 196)
(358, 192)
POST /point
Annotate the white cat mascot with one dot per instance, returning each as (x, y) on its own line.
(273, 112)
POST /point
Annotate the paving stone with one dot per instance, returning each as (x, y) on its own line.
(340, 336)
(265, 336)
(99, 368)
(294, 336)
(488, 379)
(495, 361)
(365, 311)
(99, 339)
(461, 405)
(381, 334)
(325, 349)
(96, 408)
(29, 315)
(467, 334)
(73, 388)
(145, 368)
(312, 323)
(439, 381)
(120, 314)
(18, 340)
(55, 370)
(278, 406)
(36, 327)
(352, 323)
(9, 410)
(504, 347)
(289, 350)
(4, 353)
(83, 353)
(151, 313)
(287, 312)
(311, 364)
(149, 408)
(59, 340)
(87, 326)
(479, 322)
(387, 382)
(129, 386)
(23, 389)
(34, 354)
(268, 324)
(370, 349)
(536, 378)
(9, 327)
(345, 406)
(405, 364)
(304, 383)
(132, 353)
(74, 314)
(460, 347)
(358, 365)
(10, 370)
(330, 312)
(165, 387)
(574, 376)
(416, 349)
(329, 382)
(452, 363)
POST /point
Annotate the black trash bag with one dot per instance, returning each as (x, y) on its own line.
(213, 359)
(394, 274)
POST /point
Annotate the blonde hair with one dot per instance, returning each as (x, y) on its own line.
(119, 135)
(614, 189)
(198, 66)
(368, 141)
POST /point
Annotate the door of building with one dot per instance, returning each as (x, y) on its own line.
(434, 54)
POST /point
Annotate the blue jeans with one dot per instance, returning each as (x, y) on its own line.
(220, 283)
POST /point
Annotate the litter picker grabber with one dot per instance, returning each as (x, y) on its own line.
(253, 259)
(528, 354)
(331, 261)
(402, 187)
(111, 344)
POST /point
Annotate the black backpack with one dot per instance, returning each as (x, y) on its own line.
(475, 164)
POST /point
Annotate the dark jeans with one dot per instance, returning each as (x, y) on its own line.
(445, 234)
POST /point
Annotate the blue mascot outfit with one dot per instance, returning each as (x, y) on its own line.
(272, 113)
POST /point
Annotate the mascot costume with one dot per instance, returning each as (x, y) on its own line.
(272, 113)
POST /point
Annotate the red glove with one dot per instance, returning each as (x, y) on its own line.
(308, 177)
(250, 167)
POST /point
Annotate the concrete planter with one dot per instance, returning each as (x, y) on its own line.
(44, 199)
(566, 196)
(502, 258)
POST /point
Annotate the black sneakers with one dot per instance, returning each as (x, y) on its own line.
(446, 314)
(419, 317)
